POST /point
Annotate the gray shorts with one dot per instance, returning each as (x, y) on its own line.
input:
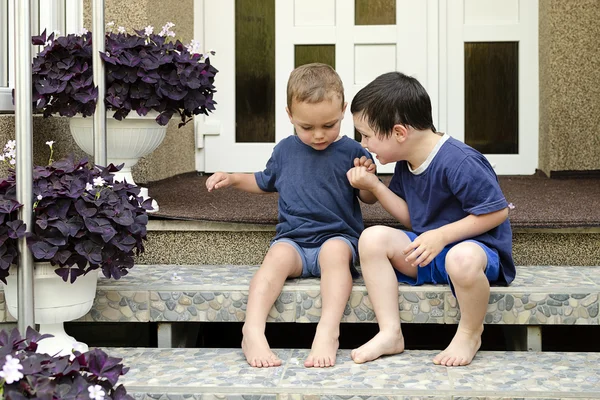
(310, 256)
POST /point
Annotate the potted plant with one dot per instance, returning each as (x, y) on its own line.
(82, 221)
(148, 76)
(27, 374)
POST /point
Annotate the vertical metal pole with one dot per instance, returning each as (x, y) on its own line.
(99, 81)
(24, 166)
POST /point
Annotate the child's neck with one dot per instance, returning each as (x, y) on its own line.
(423, 144)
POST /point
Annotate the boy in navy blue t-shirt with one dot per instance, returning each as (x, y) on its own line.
(448, 195)
(319, 213)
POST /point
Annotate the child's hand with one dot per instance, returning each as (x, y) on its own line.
(361, 178)
(424, 248)
(218, 180)
(366, 162)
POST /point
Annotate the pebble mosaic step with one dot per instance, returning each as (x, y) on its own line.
(224, 374)
(169, 293)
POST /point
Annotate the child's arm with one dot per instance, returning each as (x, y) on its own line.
(364, 195)
(429, 244)
(245, 182)
(361, 179)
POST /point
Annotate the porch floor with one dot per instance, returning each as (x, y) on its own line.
(539, 202)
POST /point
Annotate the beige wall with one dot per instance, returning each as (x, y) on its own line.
(176, 154)
(569, 49)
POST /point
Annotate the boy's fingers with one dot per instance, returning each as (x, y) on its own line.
(356, 162)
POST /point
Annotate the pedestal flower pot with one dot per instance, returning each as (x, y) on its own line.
(56, 302)
(126, 141)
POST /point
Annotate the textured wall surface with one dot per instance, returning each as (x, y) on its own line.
(176, 154)
(569, 49)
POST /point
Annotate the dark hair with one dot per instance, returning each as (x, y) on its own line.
(394, 98)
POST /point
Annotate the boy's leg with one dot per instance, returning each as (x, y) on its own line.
(282, 261)
(380, 249)
(465, 264)
(336, 284)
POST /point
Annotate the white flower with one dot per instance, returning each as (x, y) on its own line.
(121, 29)
(2, 157)
(96, 392)
(13, 161)
(11, 370)
(166, 30)
(99, 181)
(89, 187)
(80, 347)
(11, 144)
(50, 143)
(84, 31)
(39, 197)
(110, 24)
(148, 30)
(193, 47)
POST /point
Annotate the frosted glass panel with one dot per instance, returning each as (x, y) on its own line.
(492, 97)
(306, 54)
(375, 12)
(255, 70)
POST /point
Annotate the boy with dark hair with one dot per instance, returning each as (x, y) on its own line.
(319, 213)
(448, 195)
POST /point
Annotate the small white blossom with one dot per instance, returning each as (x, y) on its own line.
(39, 197)
(11, 144)
(50, 143)
(175, 277)
(148, 30)
(107, 54)
(56, 33)
(80, 347)
(11, 370)
(110, 24)
(2, 157)
(13, 161)
(511, 206)
(89, 187)
(84, 31)
(99, 181)
(96, 392)
(121, 29)
(166, 30)
(193, 47)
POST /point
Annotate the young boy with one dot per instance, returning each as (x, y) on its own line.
(319, 213)
(448, 195)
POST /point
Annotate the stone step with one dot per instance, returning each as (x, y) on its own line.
(207, 293)
(224, 374)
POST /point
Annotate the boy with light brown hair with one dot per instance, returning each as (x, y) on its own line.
(319, 214)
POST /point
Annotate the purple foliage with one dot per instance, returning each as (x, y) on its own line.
(143, 73)
(59, 377)
(75, 228)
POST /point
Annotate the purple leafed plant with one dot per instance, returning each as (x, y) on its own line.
(82, 220)
(144, 72)
(29, 375)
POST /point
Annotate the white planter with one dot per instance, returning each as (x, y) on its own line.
(56, 302)
(126, 141)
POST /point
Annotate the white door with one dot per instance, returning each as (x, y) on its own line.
(362, 52)
(426, 39)
(497, 37)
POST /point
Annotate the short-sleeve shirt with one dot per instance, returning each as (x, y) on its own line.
(454, 182)
(316, 201)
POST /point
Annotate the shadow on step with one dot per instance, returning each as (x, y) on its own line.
(575, 338)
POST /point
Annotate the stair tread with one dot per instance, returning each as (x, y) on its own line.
(160, 293)
(225, 371)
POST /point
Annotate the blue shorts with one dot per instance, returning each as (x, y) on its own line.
(435, 271)
(310, 256)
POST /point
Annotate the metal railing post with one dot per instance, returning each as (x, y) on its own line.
(99, 81)
(24, 165)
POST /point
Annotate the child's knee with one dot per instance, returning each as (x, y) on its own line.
(373, 238)
(465, 262)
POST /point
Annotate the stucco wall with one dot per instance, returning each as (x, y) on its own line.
(176, 154)
(569, 49)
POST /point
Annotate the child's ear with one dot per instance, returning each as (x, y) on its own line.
(289, 113)
(344, 107)
(400, 132)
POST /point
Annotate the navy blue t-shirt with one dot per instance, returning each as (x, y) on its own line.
(316, 201)
(456, 182)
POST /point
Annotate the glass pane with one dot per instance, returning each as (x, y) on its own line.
(255, 70)
(306, 54)
(492, 97)
(3, 43)
(374, 12)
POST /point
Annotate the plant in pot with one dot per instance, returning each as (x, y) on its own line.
(27, 374)
(149, 78)
(82, 221)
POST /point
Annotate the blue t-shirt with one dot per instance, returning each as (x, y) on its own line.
(316, 201)
(450, 185)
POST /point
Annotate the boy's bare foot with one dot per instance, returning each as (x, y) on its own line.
(461, 350)
(323, 350)
(257, 351)
(384, 343)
